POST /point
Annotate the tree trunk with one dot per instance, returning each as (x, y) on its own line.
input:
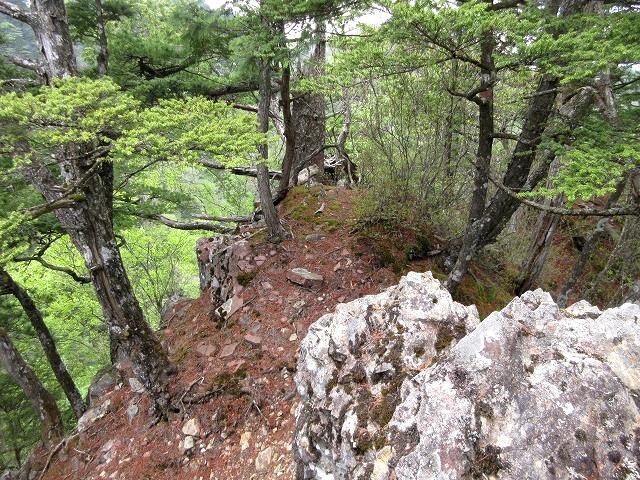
(289, 130)
(589, 247)
(90, 226)
(517, 177)
(91, 230)
(46, 340)
(485, 134)
(42, 401)
(309, 112)
(102, 58)
(540, 240)
(276, 232)
(50, 25)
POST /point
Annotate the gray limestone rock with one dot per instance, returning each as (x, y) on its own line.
(404, 385)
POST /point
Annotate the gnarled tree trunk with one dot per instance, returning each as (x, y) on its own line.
(103, 51)
(90, 228)
(46, 340)
(50, 25)
(518, 176)
(276, 232)
(42, 401)
(89, 224)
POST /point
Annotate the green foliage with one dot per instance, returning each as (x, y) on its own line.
(597, 160)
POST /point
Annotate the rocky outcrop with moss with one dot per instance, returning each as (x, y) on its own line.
(407, 385)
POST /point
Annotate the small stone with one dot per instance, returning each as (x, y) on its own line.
(92, 415)
(188, 443)
(244, 440)
(235, 366)
(263, 459)
(229, 307)
(191, 427)
(266, 285)
(253, 339)
(273, 253)
(293, 337)
(132, 411)
(337, 267)
(136, 386)
(206, 349)
(304, 277)
(228, 350)
(314, 237)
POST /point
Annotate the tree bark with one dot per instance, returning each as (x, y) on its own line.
(276, 232)
(103, 50)
(46, 340)
(42, 401)
(289, 130)
(309, 112)
(51, 29)
(540, 241)
(589, 247)
(89, 224)
(485, 134)
(90, 228)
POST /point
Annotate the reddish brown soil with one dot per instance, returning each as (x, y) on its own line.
(255, 390)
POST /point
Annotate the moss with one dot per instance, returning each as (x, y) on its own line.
(180, 353)
(331, 384)
(447, 335)
(486, 462)
(244, 278)
(383, 409)
(228, 383)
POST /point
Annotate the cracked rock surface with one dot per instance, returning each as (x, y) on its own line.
(408, 384)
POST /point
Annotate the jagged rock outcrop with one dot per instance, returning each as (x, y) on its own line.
(225, 263)
(403, 385)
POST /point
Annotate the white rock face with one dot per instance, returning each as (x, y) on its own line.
(403, 385)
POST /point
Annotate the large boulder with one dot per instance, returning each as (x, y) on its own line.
(533, 392)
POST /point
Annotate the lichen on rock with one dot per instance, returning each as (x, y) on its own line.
(408, 384)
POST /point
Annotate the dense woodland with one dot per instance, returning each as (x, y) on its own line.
(130, 128)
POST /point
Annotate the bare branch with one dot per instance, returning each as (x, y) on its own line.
(507, 136)
(38, 211)
(14, 11)
(23, 62)
(82, 279)
(242, 171)
(201, 216)
(209, 227)
(582, 212)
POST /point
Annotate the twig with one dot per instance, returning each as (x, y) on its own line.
(188, 389)
(52, 453)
